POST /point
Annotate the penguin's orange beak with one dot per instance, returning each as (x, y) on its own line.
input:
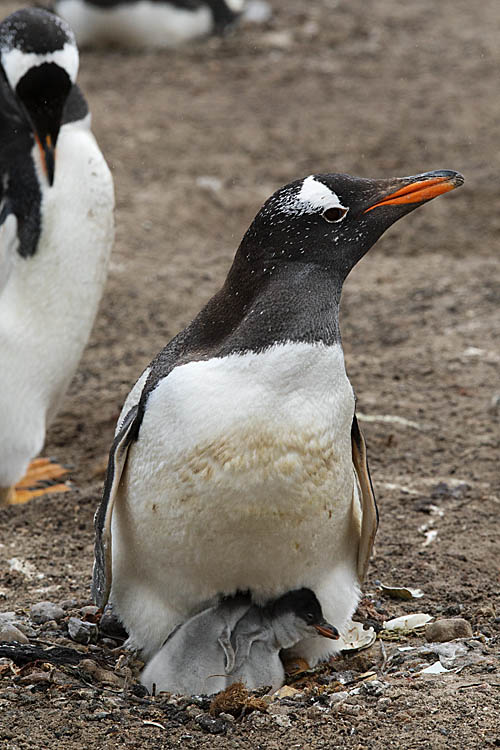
(326, 630)
(48, 154)
(424, 188)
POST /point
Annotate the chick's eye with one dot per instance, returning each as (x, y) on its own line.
(334, 214)
(310, 617)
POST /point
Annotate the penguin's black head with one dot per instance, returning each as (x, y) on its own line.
(332, 220)
(225, 13)
(39, 59)
(303, 605)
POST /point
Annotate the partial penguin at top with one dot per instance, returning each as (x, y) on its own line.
(238, 463)
(147, 24)
(56, 233)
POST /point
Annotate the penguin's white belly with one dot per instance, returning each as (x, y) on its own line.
(49, 302)
(135, 24)
(241, 478)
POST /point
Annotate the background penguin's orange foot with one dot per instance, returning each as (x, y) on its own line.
(40, 479)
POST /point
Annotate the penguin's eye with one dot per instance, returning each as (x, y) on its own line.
(309, 617)
(334, 214)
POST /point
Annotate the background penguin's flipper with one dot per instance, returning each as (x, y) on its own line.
(101, 578)
(369, 509)
(8, 239)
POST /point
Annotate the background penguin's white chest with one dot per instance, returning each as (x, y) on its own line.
(241, 478)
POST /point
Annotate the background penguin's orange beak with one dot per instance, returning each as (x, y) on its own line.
(48, 153)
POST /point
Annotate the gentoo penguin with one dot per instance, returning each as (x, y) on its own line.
(236, 641)
(56, 230)
(146, 23)
(238, 463)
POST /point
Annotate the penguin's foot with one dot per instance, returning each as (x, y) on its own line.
(293, 664)
(40, 479)
(6, 495)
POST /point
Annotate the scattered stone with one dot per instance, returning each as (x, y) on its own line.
(140, 691)
(282, 721)
(211, 725)
(445, 490)
(226, 717)
(8, 618)
(280, 709)
(495, 404)
(374, 687)
(110, 624)
(287, 691)
(109, 643)
(11, 634)
(446, 630)
(99, 674)
(44, 611)
(339, 697)
(90, 610)
(69, 604)
(82, 632)
(50, 625)
(277, 39)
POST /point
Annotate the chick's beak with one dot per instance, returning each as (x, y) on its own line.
(421, 188)
(326, 630)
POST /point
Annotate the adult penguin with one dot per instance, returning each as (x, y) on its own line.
(238, 464)
(56, 232)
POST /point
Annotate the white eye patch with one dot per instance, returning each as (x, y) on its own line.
(314, 197)
(17, 63)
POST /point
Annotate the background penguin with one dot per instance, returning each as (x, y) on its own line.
(235, 642)
(238, 463)
(56, 231)
(146, 23)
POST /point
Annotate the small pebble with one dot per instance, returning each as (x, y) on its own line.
(90, 609)
(446, 630)
(282, 721)
(338, 697)
(81, 632)
(108, 642)
(111, 625)
(11, 634)
(226, 717)
(45, 611)
(211, 725)
(373, 687)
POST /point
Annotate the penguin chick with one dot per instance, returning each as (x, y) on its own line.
(236, 641)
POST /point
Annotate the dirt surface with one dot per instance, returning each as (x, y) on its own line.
(375, 89)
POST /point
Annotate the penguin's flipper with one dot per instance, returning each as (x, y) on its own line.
(369, 522)
(101, 577)
(224, 641)
(9, 240)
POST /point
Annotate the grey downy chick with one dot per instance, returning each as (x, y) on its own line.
(236, 641)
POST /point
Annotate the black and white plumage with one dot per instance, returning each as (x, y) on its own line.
(147, 23)
(56, 230)
(235, 641)
(238, 463)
